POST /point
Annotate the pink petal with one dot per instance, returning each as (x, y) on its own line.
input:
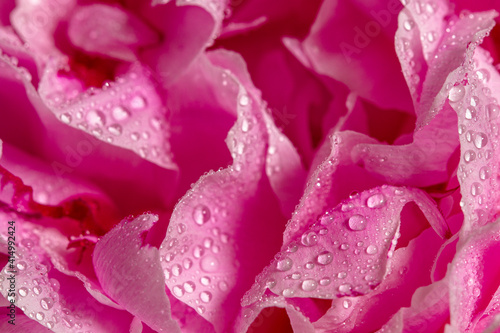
(129, 272)
(473, 278)
(478, 169)
(230, 206)
(53, 299)
(363, 225)
(429, 311)
(361, 58)
(424, 162)
(109, 31)
(334, 178)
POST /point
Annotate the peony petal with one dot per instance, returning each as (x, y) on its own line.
(55, 300)
(424, 162)
(325, 249)
(477, 111)
(363, 58)
(109, 31)
(473, 279)
(129, 272)
(231, 206)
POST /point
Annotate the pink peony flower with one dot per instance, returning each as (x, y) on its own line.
(249, 166)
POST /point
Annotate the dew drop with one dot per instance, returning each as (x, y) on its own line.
(176, 270)
(244, 100)
(135, 136)
(483, 75)
(469, 156)
(115, 129)
(484, 173)
(138, 102)
(39, 316)
(470, 113)
(245, 126)
(187, 263)
(480, 140)
(309, 238)
(284, 264)
(21, 265)
(189, 286)
(492, 111)
(209, 264)
(309, 265)
(325, 281)
(346, 303)
(371, 249)
(65, 118)
(476, 189)
(342, 275)
(456, 94)
(37, 290)
(408, 25)
(288, 292)
(181, 228)
(271, 283)
(198, 251)
(178, 291)
(376, 201)
(345, 288)
(344, 247)
(357, 222)
(201, 214)
(46, 303)
(324, 258)
(96, 118)
(205, 296)
(309, 285)
(23, 291)
(119, 113)
(205, 280)
(200, 309)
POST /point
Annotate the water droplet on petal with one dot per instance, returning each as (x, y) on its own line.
(115, 129)
(284, 264)
(309, 285)
(205, 296)
(21, 265)
(480, 140)
(357, 222)
(201, 214)
(309, 238)
(342, 275)
(189, 286)
(492, 111)
(325, 281)
(456, 93)
(39, 316)
(205, 280)
(23, 291)
(476, 189)
(37, 290)
(138, 102)
(371, 249)
(324, 258)
(65, 118)
(346, 303)
(376, 201)
(178, 291)
(469, 156)
(209, 264)
(119, 113)
(408, 25)
(345, 288)
(46, 303)
(470, 113)
(244, 100)
(288, 292)
(484, 173)
(96, 118)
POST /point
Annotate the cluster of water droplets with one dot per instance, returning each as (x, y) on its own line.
(36, 293)
(119, 113)
(478, 113)
(344, 253)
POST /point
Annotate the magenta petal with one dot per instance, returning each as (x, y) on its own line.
(53, 299)
(424, 162)
(363, 58)
(429, 311)
(129, 272)
(109, 31)
(474, 278)
(364, 225)
(230, 207)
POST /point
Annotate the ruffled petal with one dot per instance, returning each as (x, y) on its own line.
(129, 271)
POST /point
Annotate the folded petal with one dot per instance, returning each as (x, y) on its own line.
(367, 226)
(129, 271)
(209, 254)
(363, 58)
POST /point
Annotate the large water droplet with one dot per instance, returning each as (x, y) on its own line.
(484, 173)
(189, 286)
(309, 238)
(46, 303)
(309, 285)
(469, 156)
(201, 214)
(480, 140)
(492, 111)
(23, 291)
(205, 296)
(476, 189)
(357, 222)
(284, 264)
(456, 93)
(371, 249)
(96, 118)
(324, 258)
(376, 201)
(119, 113)
(209, 264)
